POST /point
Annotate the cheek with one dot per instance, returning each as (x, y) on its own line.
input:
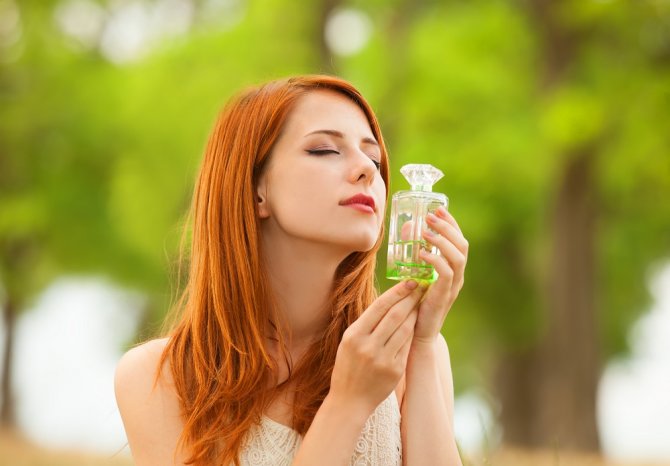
(380, 191)
(299, 198)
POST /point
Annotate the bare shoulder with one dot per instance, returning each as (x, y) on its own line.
(143, 355)
(150, 411)
(136, 370)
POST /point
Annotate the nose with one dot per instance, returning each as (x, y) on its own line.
(364, 169)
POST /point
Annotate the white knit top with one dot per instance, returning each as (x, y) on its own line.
(274, 444)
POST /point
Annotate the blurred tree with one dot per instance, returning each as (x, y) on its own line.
(54, 168)
(90, 181)
(553, 158)
(583, 109)
(546, 117)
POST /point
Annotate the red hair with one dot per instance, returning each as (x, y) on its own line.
(216, 350)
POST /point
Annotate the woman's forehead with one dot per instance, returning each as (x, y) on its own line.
(328, 110)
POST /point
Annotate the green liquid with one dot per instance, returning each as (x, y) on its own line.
(407, 263)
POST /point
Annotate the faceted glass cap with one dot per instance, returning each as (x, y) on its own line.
(421, 176)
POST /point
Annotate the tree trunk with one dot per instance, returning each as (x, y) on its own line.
(7, 418)
(548, 392)
(569, 355)
(515, 389)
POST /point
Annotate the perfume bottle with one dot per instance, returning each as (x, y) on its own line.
(408, 221)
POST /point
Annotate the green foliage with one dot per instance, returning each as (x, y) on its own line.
(98, 160)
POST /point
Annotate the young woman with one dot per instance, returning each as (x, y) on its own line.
(283, 353)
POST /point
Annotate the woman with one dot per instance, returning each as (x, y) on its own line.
(283, 353)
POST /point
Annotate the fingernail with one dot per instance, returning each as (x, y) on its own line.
(442, 211)
(428, 233)
(411, 284)
(431, 218)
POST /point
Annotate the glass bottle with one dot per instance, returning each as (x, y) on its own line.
(408, 221)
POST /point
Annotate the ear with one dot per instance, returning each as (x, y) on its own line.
(262, 206)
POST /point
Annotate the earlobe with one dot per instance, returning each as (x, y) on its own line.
(261, 207)
(261, 202)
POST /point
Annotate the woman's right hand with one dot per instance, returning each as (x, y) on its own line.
(372, 355)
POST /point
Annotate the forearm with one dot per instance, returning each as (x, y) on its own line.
(331, 438)
(427, 426)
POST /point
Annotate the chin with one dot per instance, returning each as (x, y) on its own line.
(363, 244)
(347, 242)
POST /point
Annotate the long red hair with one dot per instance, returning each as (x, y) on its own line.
(216, 350)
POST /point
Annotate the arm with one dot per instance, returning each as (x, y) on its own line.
(370, 361)
(428, 406)
(332, 436)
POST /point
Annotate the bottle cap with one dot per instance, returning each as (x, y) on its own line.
(421, 176)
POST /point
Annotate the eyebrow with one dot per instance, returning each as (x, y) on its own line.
(338, 134)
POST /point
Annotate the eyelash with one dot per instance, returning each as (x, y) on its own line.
(330, 151)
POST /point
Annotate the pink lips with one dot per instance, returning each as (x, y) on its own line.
(360, 202)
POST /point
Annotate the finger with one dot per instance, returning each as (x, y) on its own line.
(446, 215)
(443, 285)
(449, 231)
(454, 256)
(373, 314)
(396, 317)
(463, 243)
(403, 333)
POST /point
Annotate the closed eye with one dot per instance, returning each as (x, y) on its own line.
(321, 151)
(332, 151)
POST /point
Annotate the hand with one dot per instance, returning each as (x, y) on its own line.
(373, 352)
(450, 267)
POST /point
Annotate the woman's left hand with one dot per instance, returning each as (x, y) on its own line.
(450, 266)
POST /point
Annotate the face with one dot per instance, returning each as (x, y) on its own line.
(322, 181)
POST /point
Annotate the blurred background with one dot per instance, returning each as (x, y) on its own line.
(550, 120)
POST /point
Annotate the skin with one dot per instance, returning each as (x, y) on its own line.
(306, 233)
(396, 343)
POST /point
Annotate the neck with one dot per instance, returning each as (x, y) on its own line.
(301, 275)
